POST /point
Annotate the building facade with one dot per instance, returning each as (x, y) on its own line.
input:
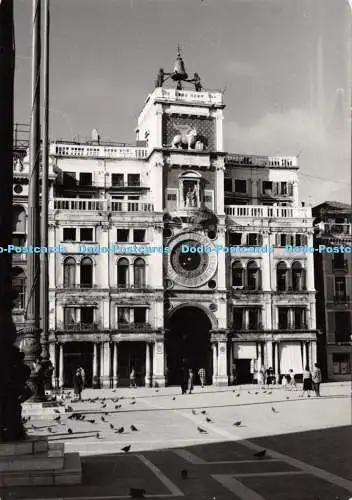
(333, 276)
(142, 276)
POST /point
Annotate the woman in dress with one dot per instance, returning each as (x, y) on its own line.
(78, 384)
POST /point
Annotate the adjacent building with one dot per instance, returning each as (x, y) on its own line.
(142, 276)
(333, 277)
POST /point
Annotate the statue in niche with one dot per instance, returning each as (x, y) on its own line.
(187, 138)
(192, 196)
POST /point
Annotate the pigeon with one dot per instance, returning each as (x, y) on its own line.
(260, 454)
(56, 411)
(249, 393)
(274, 410)
(202, 431)
(98, 436)
(107, 413)
(132, 402)
(112, 426)
(121, 430)
(50, 429)
(184, 473)
(173, 399)
(203, 412)
(133, 428)
(117, 407)
(237, 424)
(70, 431)
(270, 392)
(156, 390)
(238, 395)
(103, 419)
(126, 449)
(194, 412)
(287, 397)
(256, 393)
(137, 493)
(104, 406)
(114, 390)
(57, 418)
(208, 420)
(91, 421)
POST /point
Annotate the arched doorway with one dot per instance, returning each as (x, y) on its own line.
(188, 339)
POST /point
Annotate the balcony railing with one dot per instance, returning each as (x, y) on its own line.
(123, 287)
(263, 161)
(134, 327)
(79, 327)
(96, 151)
(341, 299)
(78, 286)
(343, 337)
(340, 265)
(136, 184)
(337, 229)
(266, 212)
(187, 96)
(98, 205)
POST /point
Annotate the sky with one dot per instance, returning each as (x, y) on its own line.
(280, 64)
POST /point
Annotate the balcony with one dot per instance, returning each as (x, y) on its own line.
(79, 327)
(127, 185)
(89, 151)
(262, 161)
(266, 212)
(99, 205)
(134, 327)
(124, 288)
(341, 299)
(78, 286)
(343, 337)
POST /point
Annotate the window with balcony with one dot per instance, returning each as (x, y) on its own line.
(69, 234)
(237, 318)
(123, 315)
(237, 274)
(283, 188)
(69, 180)
(299, 318)
(282, 277)
(235, 238)
(253, 276)
(19, 287)
(117, 180)
(254, 239)
(86, 234)
(297, 277)
(133, 180)
(69, 272)
(70, 315)
(139, 235)
(300, 240)
(342, 326)
(123, 273)
(267, 187)
(140, 315)
(283, 318)
(122, 235)
(339, 262)
(19, 241)
(85, 179)
(86, 273)
(340, 288)
(18, 220)
(139, 273)
(341, 362)
(87, 315)
(240, 186)
(253, 318)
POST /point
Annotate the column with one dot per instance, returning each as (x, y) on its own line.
(101, 374)
(61, 365)
(105, 372)
(277, 361)
(95, 366)
(313, 345)
(246, 318)
(159, 365)
(230, 360)
(147, 364)
(215, 361)
(266, 267)
(310, 266)
(308, 356)
(290, 318)
(222, 378)
(260, 355)
(304, 355)
(269, 354)
(313, 320)
(115, 373)
(52, 356)
(220, 188)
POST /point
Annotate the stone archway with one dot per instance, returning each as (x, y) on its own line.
(188, 340)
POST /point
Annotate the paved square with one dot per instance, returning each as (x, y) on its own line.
(307, 443)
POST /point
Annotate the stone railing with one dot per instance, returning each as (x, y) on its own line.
(99, 205)
(268, 212)
(205, 97)
(262, 161)
(89, 151)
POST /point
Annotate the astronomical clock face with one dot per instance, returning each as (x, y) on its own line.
(191, 269)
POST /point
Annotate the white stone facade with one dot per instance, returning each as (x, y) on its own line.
(143, 303)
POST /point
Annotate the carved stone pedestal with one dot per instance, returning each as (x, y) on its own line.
(37, 462)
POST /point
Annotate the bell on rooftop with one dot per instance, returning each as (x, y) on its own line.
(179, 74)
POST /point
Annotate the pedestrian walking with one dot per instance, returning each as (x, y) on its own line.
(184, 378)
(83, 375)
(190, 381)
(261, 376)
(316, 378)
(202, 376)
(307, 381)
(78, 384)
(292, 386)
(133, 378)
(234, 375)
(284, 382)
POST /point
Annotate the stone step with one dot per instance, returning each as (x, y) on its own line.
(56, 450)
(69, 474)
(30, 446)
(41, 461)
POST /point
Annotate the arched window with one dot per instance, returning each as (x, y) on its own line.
(139, 273)
(253, 276)
(282, 276)
(122, 273)
(69, 272)
(19, 287)
(19, 220)
(237, 273)
(86, 273)
(297, 277)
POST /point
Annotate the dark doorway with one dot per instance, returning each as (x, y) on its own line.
(188, 339)
(131, 354)
(78, 354)
(244, 371)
